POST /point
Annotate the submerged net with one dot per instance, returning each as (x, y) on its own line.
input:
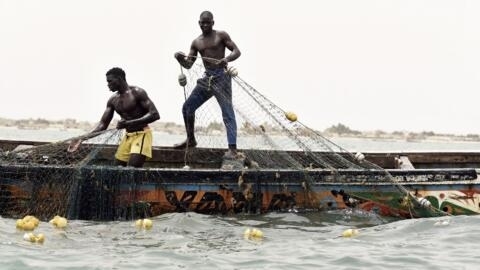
(282, 165)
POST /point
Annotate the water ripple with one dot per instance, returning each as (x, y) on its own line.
(292, 241)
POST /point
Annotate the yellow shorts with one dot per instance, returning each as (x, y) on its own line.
(138, 142)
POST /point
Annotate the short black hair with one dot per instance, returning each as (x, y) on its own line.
(117, 72)
(207, 13)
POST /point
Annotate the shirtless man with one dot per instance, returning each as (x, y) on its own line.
(136, 111)
(216, 82)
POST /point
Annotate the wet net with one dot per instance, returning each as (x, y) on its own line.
(281, 165)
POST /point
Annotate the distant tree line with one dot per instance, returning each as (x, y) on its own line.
(341, 129)
(172, 127)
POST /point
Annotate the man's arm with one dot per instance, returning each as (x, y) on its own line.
(235, 52)
(102, 125)
(187, 61)
(151, 115)
(106, 118)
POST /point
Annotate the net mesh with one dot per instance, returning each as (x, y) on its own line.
(283, 164)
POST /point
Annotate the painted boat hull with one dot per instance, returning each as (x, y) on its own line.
(116, 193)
(100, 192)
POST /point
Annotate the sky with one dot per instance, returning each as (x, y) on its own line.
(406, 65)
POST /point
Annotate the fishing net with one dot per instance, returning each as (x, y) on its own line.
(273, 139)
(281, 165)
(45, 180)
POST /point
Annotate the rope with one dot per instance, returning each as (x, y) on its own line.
(183, 76)
(182, 80)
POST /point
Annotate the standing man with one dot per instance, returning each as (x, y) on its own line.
(136, 111)
(216, 82)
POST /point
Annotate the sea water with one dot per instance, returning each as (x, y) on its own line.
(291, 241)
(311, 240)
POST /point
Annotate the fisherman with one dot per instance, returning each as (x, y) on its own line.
(216, 82)
(136, 111)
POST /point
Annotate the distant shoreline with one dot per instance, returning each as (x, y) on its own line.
(335, 131)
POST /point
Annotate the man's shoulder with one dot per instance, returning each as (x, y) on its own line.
(112, 98)
(138, 92)
(135, 88)
(222, 33)
(198, 38)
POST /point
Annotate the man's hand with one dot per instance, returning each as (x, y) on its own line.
(74, 145)
(122, 123)
(180, 56)
(222, 62)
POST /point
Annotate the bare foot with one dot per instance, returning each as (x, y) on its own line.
(74, 145)
(230, 154)
(185, 144)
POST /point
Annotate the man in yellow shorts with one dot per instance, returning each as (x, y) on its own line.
(133, 143)
(136, 111)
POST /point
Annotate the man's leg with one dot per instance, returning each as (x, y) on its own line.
(198, 96)
(118, 162)
(136, 160)
(141, 148)
(123, 151)
(223, 94)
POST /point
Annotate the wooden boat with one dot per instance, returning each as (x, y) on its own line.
(438, 183)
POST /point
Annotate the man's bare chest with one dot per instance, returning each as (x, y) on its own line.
(125, 103)
(211, 43)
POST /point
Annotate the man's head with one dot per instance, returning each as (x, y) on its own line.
(116, 78)
(206, 22)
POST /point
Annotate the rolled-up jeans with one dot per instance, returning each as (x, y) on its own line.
(217, 83)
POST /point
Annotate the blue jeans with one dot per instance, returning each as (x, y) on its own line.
(215, 82)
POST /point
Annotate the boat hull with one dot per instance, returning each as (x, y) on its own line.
(114, 193)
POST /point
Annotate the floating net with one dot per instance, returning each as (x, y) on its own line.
(282, 165)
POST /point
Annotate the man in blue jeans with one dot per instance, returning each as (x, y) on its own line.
(216, 82)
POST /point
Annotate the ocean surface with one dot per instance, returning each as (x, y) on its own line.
(311, 240)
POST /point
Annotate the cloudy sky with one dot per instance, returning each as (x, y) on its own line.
(391, 65)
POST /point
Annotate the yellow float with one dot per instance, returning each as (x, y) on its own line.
(31, 237)
(144, 223)
(27, 223)
(350, 233)
(59, 222)
(291, 116)
(253, 233)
